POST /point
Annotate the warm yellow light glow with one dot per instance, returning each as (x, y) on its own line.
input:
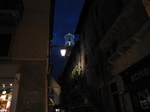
(57, 110)
(3, 97)
(3, 85)
(3, 92)
(63, 52)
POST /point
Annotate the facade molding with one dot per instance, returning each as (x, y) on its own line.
(146, 4)
(120, 25)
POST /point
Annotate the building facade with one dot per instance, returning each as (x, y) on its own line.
(114, 55)
(72, 94)
(25, 34)
(53, 92)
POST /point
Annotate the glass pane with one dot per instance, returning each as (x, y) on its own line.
(5, 97)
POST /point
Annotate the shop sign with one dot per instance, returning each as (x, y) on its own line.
(140, 74)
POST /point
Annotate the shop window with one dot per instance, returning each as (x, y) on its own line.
(144, 99)
(4, 44)
(6, 90)
(141, 100)
(9, 87)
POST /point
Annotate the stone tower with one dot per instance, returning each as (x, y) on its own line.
(69, 39)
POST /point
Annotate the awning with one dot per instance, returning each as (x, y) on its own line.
(8, 73)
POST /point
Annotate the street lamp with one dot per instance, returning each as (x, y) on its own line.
(69, 42)
(62, 51)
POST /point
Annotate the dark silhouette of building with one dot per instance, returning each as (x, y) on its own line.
(112, 59)
(25, 34)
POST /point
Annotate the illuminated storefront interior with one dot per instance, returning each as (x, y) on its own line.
(137, 83)
(6, 91)
(9, 85)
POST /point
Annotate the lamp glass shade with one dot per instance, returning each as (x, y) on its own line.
(63, 52)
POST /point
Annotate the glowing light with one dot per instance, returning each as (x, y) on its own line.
(3, 92)
(3, 97)
(57, 110)
(3, 85)
(63, 52)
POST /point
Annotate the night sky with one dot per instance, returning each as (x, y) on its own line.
(66, 15)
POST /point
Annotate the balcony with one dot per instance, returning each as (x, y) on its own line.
(121, 49)
(126, 44)
(10, 12)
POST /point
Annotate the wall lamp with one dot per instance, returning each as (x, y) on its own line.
(69, 42)
(62, 51)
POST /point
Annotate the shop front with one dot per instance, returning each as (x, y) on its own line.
(5, 97)
(9, 83)
(137, 83)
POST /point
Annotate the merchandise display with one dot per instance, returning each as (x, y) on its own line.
(5, 97)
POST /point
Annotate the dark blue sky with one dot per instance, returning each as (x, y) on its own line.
(66, 17)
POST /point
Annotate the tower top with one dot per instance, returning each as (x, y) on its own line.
(69, 39)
